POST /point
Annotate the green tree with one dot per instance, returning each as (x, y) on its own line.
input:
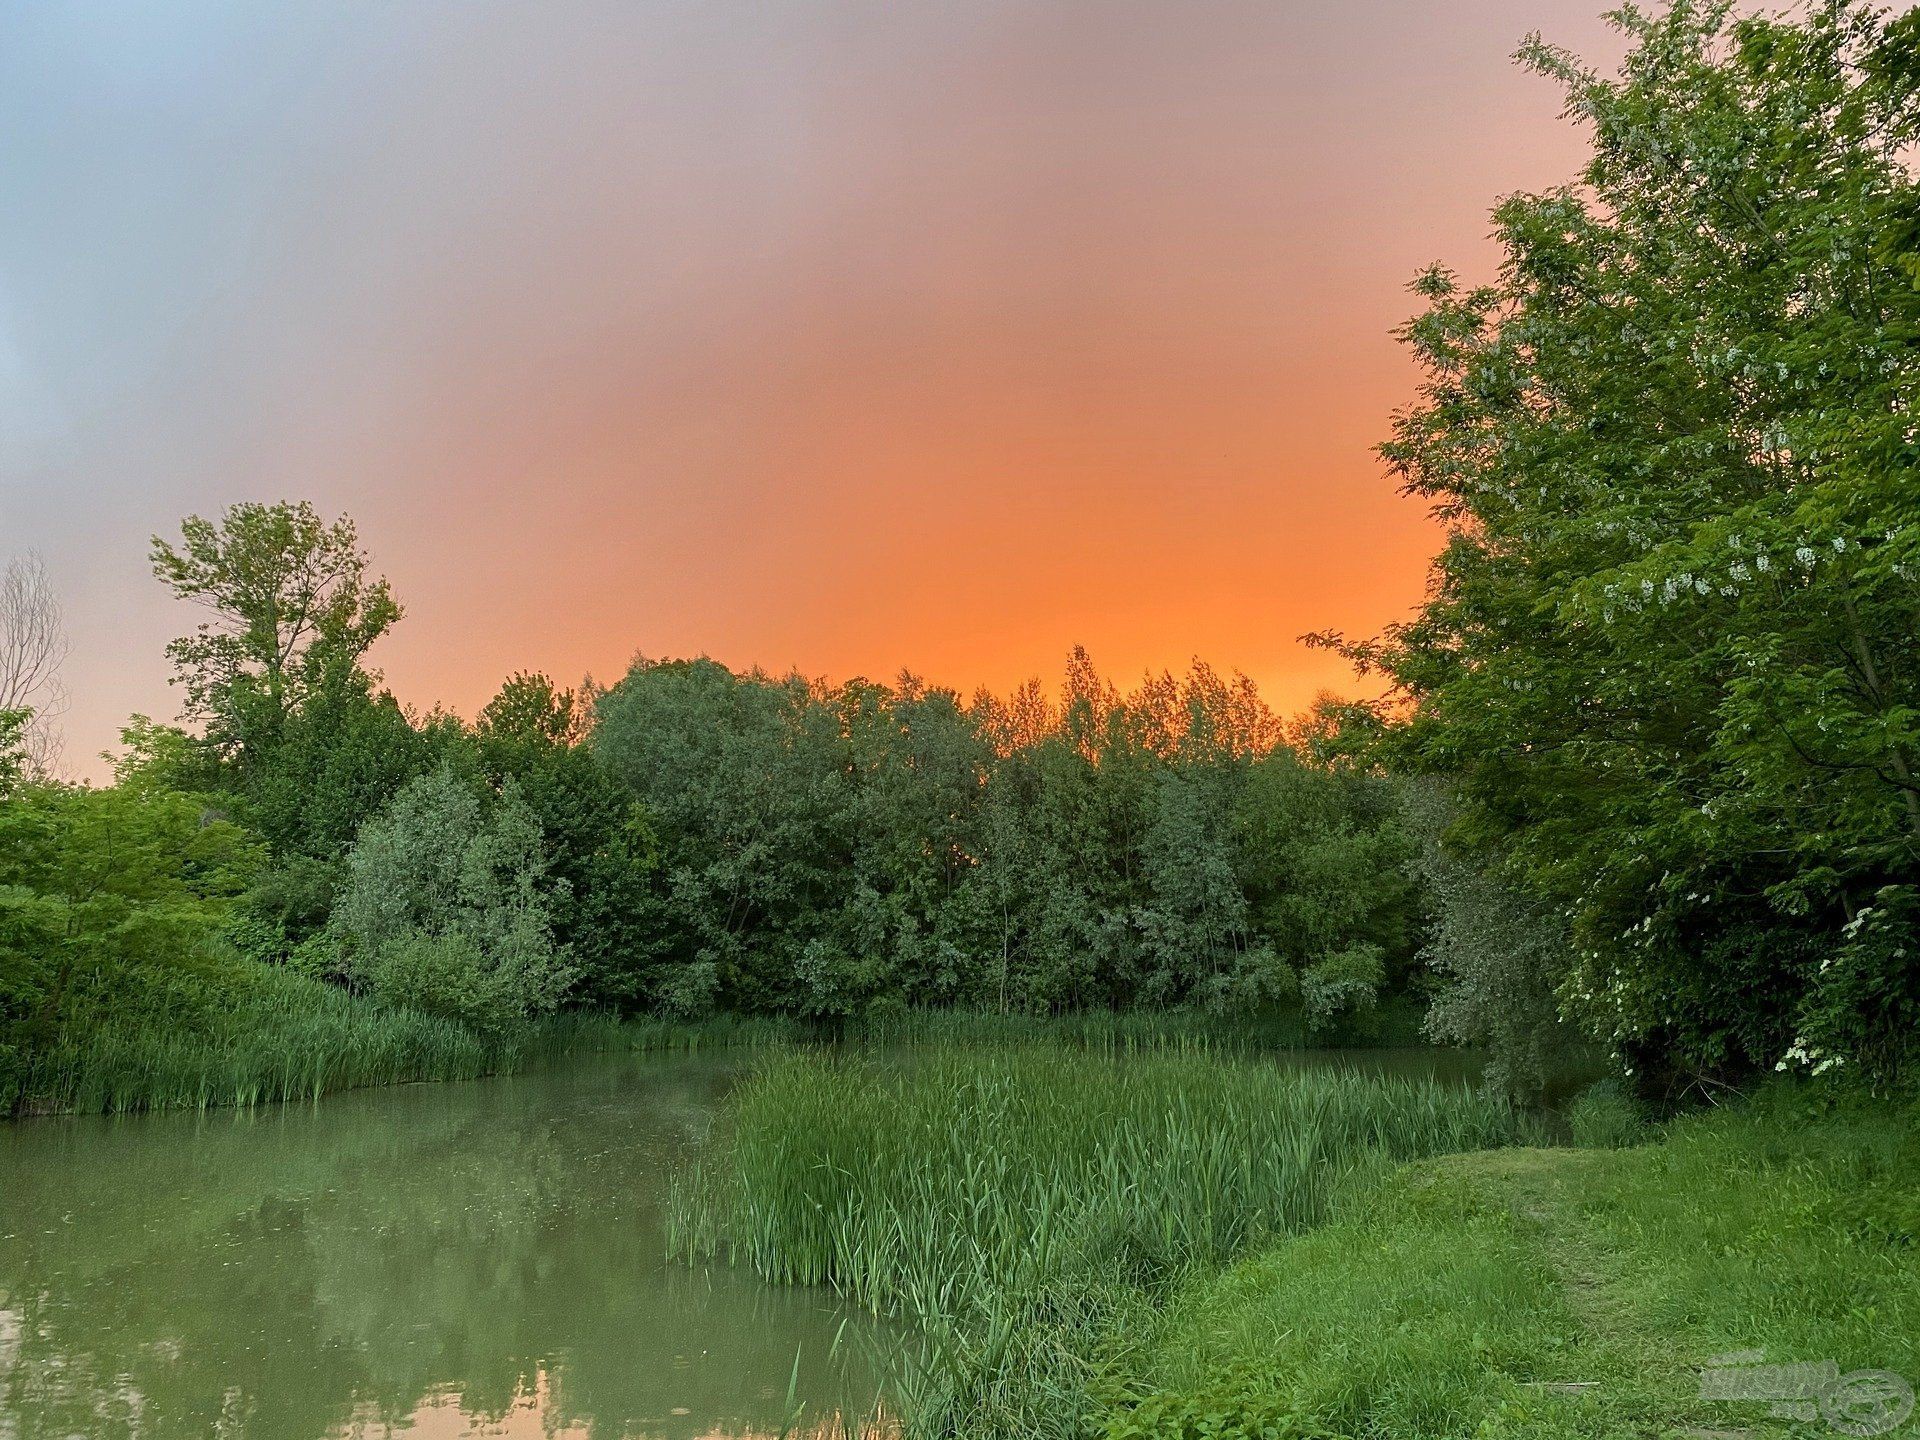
(111, 902)
(444, 907)
(292, 608)
(13, 748)
(599, 846)
(1497, 953)
(745, 779)
(1669, 650)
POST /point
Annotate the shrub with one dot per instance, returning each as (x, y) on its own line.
(444, 907)
(1346, 982)
(1604, 1117)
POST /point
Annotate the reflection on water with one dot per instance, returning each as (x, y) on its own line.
(437, 1260)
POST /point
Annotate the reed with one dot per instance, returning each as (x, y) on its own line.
(293, 1038)
(1020, 1203)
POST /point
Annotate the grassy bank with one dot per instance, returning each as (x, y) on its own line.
(1571, 1293)
(264, 1035)
(1191, 1244)
(1028, 1206)
(287, 1037)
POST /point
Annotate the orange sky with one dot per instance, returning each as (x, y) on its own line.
(841, 336)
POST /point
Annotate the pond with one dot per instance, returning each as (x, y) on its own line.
(423, 1260)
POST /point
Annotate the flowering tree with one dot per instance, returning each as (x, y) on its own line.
(1669, 649)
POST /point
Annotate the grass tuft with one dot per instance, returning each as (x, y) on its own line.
(290, 1038)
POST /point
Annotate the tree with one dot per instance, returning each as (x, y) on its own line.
(13, 749)
(293, 609)
(444, 909)
(1496, 952)
(33, 644)
(110, 901)
(1669, 652)
(745, 779)
(598, 843)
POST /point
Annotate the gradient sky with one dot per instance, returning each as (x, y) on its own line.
(935, 333)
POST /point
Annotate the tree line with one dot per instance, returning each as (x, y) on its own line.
(1647, 769)
(688, 841)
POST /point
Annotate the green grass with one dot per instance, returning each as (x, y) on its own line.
(1028, 1206)
(249, 1034)
(1556, 1293)
(1396, 1022)
(286, 1037)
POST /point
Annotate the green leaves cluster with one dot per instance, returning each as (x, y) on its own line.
(827, 849)
(1669, 650)
(291, 610)
(110, 901)
(444, 907)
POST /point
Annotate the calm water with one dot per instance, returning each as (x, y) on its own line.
(427, 1260)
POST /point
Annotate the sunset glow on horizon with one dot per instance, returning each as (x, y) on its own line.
(848, 338)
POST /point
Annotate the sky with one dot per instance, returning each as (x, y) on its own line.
(847, 337)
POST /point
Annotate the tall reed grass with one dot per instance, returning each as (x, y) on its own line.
(1021, 1204)
(293, 1038)
(1107, 1031)
(1393, 1024)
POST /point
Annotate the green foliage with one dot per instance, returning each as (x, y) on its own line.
(240, 1033)
(13, 748)
(825, 851)
(109, 903)
(598, 844)
(1669, 653)
(443, 907)
(292, 607)
(158, 758)
(1346, 980)
(1496, 952)
(1604, 1116)
(1233, 1406)
(1023, 1204)
(295, 732)
(337, 760)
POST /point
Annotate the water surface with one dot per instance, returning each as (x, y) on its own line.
(422, 1260)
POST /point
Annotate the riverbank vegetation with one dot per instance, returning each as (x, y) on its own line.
(306, 869)
(1184, 1244)
(1024, 1204)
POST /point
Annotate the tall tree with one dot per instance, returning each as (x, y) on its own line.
(1669, 649)
(33, 644)
(292, 608)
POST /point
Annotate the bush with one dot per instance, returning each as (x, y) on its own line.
(1496, 953)
(1605, 1117)
(111, 902)
(444, 907)
(1347, 982)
